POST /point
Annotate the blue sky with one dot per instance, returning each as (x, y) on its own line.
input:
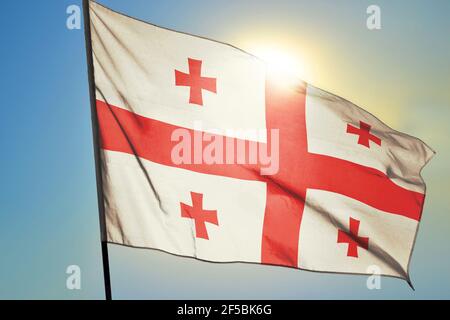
(48, 206)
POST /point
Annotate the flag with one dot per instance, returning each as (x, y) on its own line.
(206, 154)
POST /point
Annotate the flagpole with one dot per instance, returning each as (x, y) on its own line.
(95, 134)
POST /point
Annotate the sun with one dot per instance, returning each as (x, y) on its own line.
(279, 60)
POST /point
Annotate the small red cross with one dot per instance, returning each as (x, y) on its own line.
(364, 134)
(195, 81)
(352, 239)
(199, 215)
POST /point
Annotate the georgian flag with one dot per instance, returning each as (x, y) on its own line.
(344, 192)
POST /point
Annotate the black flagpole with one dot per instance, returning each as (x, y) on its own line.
(98, 168)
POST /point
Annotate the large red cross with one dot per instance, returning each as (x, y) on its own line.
(352, 239)
(200, 215)
(195, 81)
(299, 170)
(364, 134)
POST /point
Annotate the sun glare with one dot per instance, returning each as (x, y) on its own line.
(279, 61)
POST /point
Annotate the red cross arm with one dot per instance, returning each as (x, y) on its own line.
(365, 184)
(125, 131)
(181, 78)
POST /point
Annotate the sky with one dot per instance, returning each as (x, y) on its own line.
(48, 204)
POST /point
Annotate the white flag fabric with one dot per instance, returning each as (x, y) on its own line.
(205, 155)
